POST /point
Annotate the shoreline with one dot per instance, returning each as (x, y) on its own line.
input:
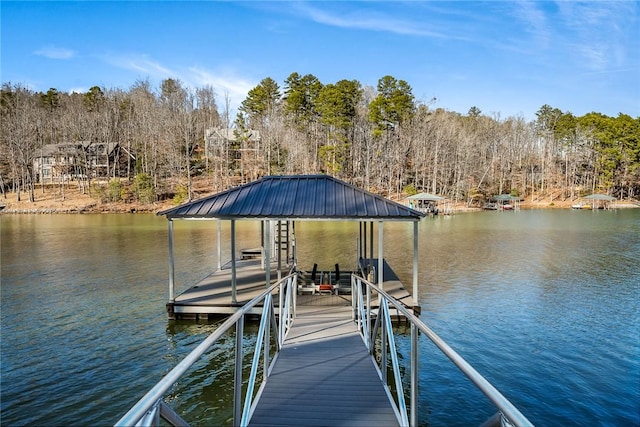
(87, 205)
(71, 200)
(99, 209)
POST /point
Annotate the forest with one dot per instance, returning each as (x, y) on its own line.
(381, 139)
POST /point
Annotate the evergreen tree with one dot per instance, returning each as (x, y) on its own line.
(393, 105)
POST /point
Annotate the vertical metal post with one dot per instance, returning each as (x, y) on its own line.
(219, 244)
(281, 323)
(355, 296)
(364, 234)
(267, 336)
(415, 262)
(363, 245)
(279, 247)
(293, 246)
(171, 264)
(380, 255)
(264, 244)
(382, 312)
(371, 241)
(294, 290)
(288, 241)
(267, 251)
(234, 292)
(368, 320)
(414, 374)
(237, 376)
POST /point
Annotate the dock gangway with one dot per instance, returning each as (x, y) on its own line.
(362, 337)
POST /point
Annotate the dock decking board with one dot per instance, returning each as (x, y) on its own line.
(212, 295)
(324, 376)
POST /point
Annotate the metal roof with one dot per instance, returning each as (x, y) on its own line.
(295, 197)
(426, 196)
(600, 197)
(503, 197)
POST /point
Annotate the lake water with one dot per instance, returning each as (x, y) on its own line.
(545, 304)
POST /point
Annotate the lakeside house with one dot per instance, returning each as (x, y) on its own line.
(240, 146)
(71, 160)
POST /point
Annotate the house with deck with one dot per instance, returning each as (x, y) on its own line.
(70, 160)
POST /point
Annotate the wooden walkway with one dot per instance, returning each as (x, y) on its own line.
(324, 376)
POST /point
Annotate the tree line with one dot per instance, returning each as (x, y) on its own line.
(381, 139)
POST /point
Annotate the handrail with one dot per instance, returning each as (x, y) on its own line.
(150, 408)
(362, 315)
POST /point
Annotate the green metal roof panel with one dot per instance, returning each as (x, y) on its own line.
(295, 197)
(600, 197)
(502, 197)
(426, 196)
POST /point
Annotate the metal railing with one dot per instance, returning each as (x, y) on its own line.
(381, 333)
(376, 328)
(151, 408)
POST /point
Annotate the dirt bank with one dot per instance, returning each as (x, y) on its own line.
(74, 201)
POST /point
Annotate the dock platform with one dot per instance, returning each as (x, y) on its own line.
(211, 297)
(323, 376)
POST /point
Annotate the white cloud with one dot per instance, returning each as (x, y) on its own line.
(53, 52)
(232, 84)
(226, 83)
(364, 20)
(597, 31)
(141, 64)
(534, 22)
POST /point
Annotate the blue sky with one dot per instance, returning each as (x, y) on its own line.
(507, 58)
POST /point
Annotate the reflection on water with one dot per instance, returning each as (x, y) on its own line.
(545, 304)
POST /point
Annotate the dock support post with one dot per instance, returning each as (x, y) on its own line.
(262, 243)
(414, 375)
(171, 265)
(267, 251)
(279, 246)
(294, 251)
(371, 241)
(237, 375)
(219, 244)
(380, 254)
(415, 262)
(234, 292)
(363, 245)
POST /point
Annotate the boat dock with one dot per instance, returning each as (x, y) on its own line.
(324, 375)
(212, 296)
(335, 361)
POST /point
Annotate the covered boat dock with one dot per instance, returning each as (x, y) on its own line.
(503, 202)
(278, 202)
(332, 365)
(430, 204)
(600, 201)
